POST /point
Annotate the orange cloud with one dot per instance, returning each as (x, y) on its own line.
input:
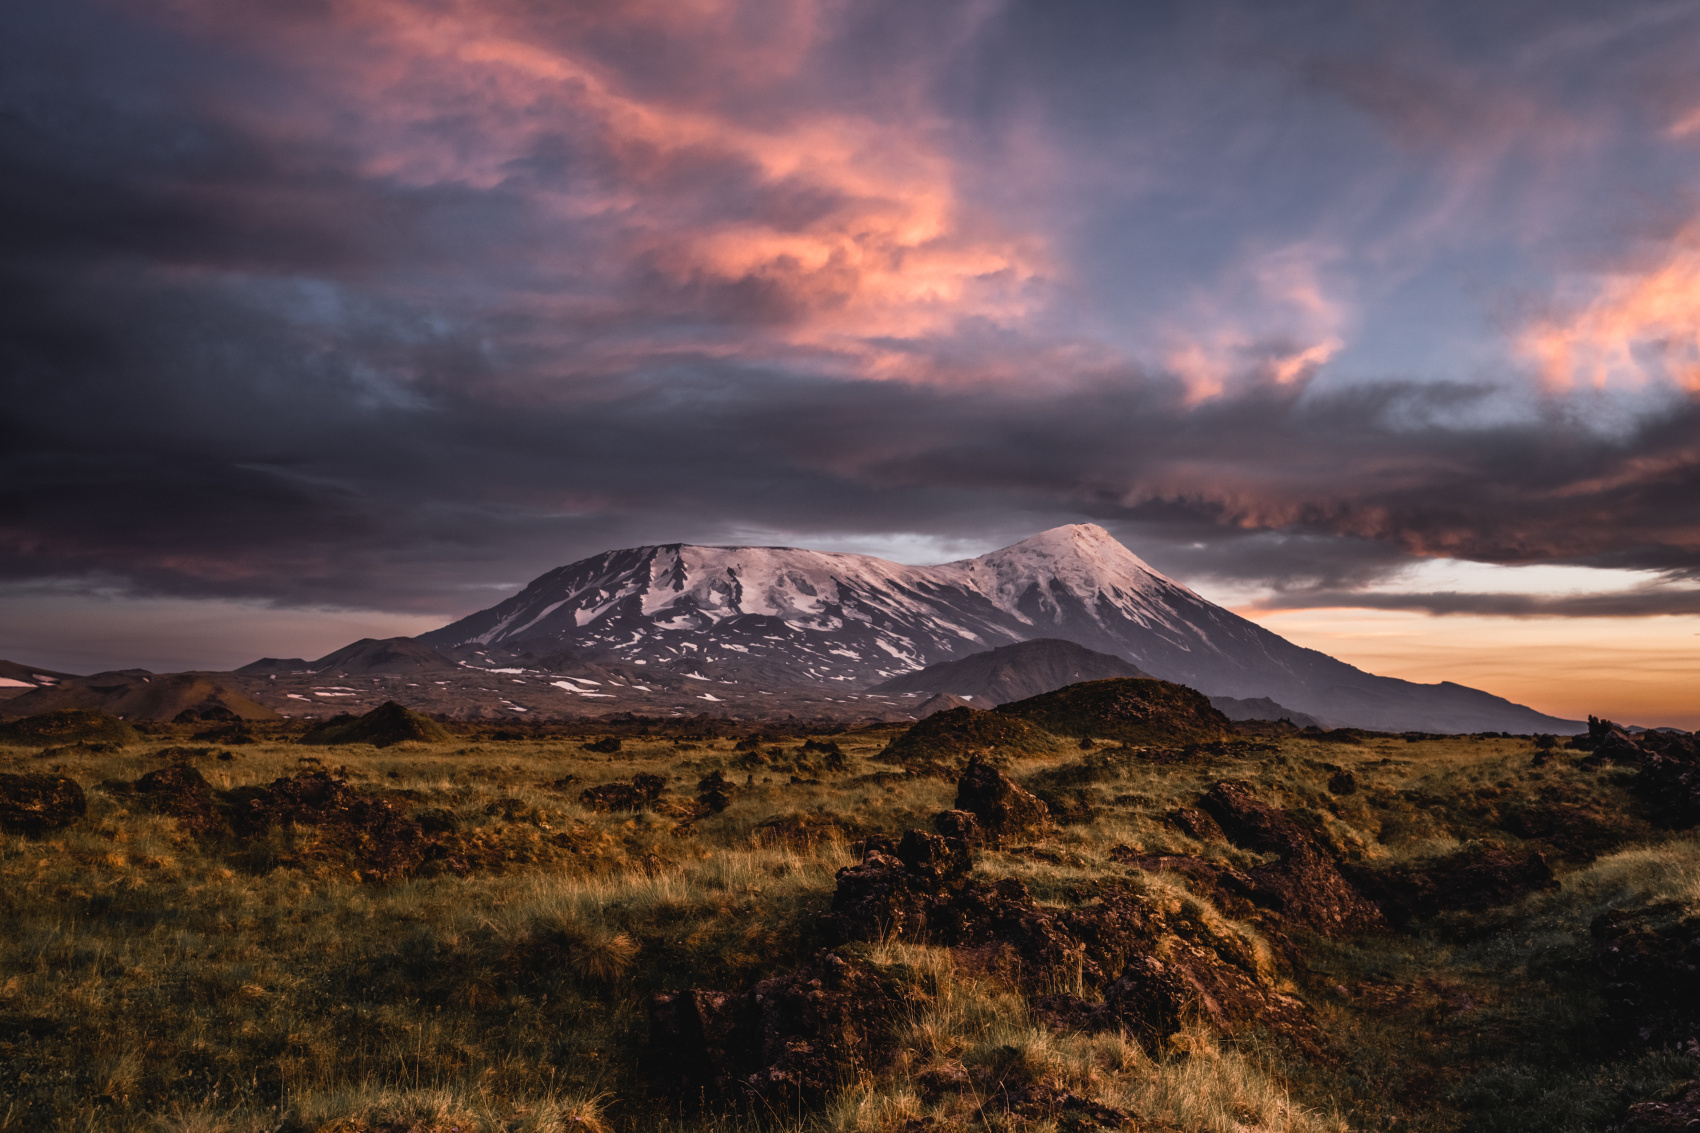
(1637, 328)
(460, 93)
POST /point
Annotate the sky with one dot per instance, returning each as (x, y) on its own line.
(1379, 323)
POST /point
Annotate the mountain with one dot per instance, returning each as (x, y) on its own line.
(1013, 672)
(1262, 708)
(772, 617)
(362, 658)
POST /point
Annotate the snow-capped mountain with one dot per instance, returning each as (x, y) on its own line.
(775, 616)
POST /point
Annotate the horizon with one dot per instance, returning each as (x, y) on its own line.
(1377, 326)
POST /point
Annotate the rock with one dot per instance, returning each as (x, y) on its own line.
(959, 824)
(35, 804)
(1649, 963)
(922, 889)
(641, 792)
(715, 792)
(1001, 807)
(947, 738)
(1194, 823)
(180, 792)
(897, 886)
(790, 1040)
(1305, 887)
(1680, 1114)
(1342, 783)
(374, 833)
(1474, 878)
(607, 745)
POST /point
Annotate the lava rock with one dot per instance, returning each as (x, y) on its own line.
(35, 804)
(1305, 887)
(959, 824)
(1680, 1114)
(377, 835)
(715, 792)
(789, 1040)
(180, 792)
(640, 793)
(1194, 823)
(1001, 807)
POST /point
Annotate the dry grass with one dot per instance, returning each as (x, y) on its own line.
(150, 981)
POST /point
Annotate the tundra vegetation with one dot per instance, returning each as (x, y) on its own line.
(692, 924)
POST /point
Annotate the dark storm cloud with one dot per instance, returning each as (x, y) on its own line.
(366, 304)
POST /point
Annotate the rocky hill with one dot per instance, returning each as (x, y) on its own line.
(1013, 672)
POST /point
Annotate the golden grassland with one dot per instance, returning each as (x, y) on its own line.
(150, 980)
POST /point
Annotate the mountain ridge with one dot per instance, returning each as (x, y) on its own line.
(759, 616)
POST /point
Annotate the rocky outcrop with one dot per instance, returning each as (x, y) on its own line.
(788, 1040)
(1000, 807)
(1679, 1114)
(1305, 887)
(36, 804)
(1135, 712)
(640, 794)
(381, 840)
(182, 793)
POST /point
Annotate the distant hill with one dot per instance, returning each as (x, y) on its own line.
(16, 679)
(1262, 708)
(366, 657)
(136, 694)
(942, 702)
(1133, 711)
(1013, 672)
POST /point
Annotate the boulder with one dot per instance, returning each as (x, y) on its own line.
(181, 792)
(1000, 807)
(715, 792)
(36, 804)
(790, 1040)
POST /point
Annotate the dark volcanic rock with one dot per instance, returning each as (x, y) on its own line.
(374, 833)
(35, 804)
(181, 792)
(715, 792)
(1475, 878)
(1194, 823)
(788, 1040)
(1670, 783)
(1649, 960)
(68, 725)
(921, 889)
(641, 792)
(1580, 832)
(1001, 807)
(959, 824)
(1305, 887)
(947, 738)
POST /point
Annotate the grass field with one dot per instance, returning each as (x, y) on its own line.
(154, 978)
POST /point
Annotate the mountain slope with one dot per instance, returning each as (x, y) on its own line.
(1013, 672)
(768, 617)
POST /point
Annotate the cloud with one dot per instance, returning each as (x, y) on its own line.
(363, 303)
(1640, 603)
